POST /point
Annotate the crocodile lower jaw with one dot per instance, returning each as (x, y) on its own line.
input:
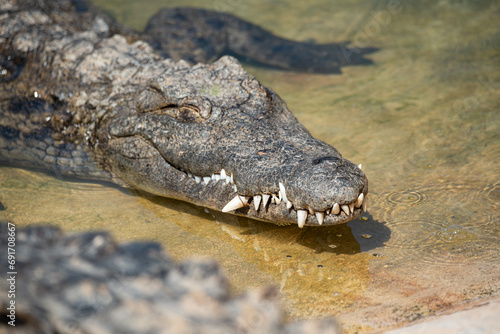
(338, 213)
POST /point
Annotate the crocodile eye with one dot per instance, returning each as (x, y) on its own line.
(183, 113)
(187, 109)
(197, 105)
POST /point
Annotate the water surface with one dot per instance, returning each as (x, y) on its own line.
(425, 123)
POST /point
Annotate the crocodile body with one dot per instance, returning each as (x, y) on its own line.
(82, 96)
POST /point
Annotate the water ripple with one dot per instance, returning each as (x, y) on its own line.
(441, 223)
(406, 197)
(440, 243)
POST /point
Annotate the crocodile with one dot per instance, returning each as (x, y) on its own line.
(88, 283)
(82, 96)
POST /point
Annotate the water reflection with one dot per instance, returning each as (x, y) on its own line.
(336, 239)
(379, 233)
(317, 269)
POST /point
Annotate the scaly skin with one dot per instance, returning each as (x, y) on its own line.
(80, 99)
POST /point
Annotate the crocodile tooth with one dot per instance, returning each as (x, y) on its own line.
(283, 192)
(320, 215)
(301, 218)
(256, 201)
(236, 203)
(235, 189)
(229, 179)
(289, 205)
(216, 177)
(232, 180)
(275, 199)
(206, 179)
(311, 211)
(351, 207)
(223, 174)
(365, 204)
(197, 179)
(359, 166)
(335, 209)
(359, 201)
(190, 175)
(265, 199)
(345, 208)
(327, 212)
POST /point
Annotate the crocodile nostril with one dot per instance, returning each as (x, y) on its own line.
(323, 159)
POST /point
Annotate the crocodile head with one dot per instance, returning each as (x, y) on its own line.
(214, 136)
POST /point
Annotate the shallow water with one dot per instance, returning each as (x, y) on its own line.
(425, 123)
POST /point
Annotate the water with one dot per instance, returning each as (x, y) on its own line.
(424, 122)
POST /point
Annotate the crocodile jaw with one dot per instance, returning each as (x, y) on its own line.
(194, 124)
(152, 173)
(278, 208)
